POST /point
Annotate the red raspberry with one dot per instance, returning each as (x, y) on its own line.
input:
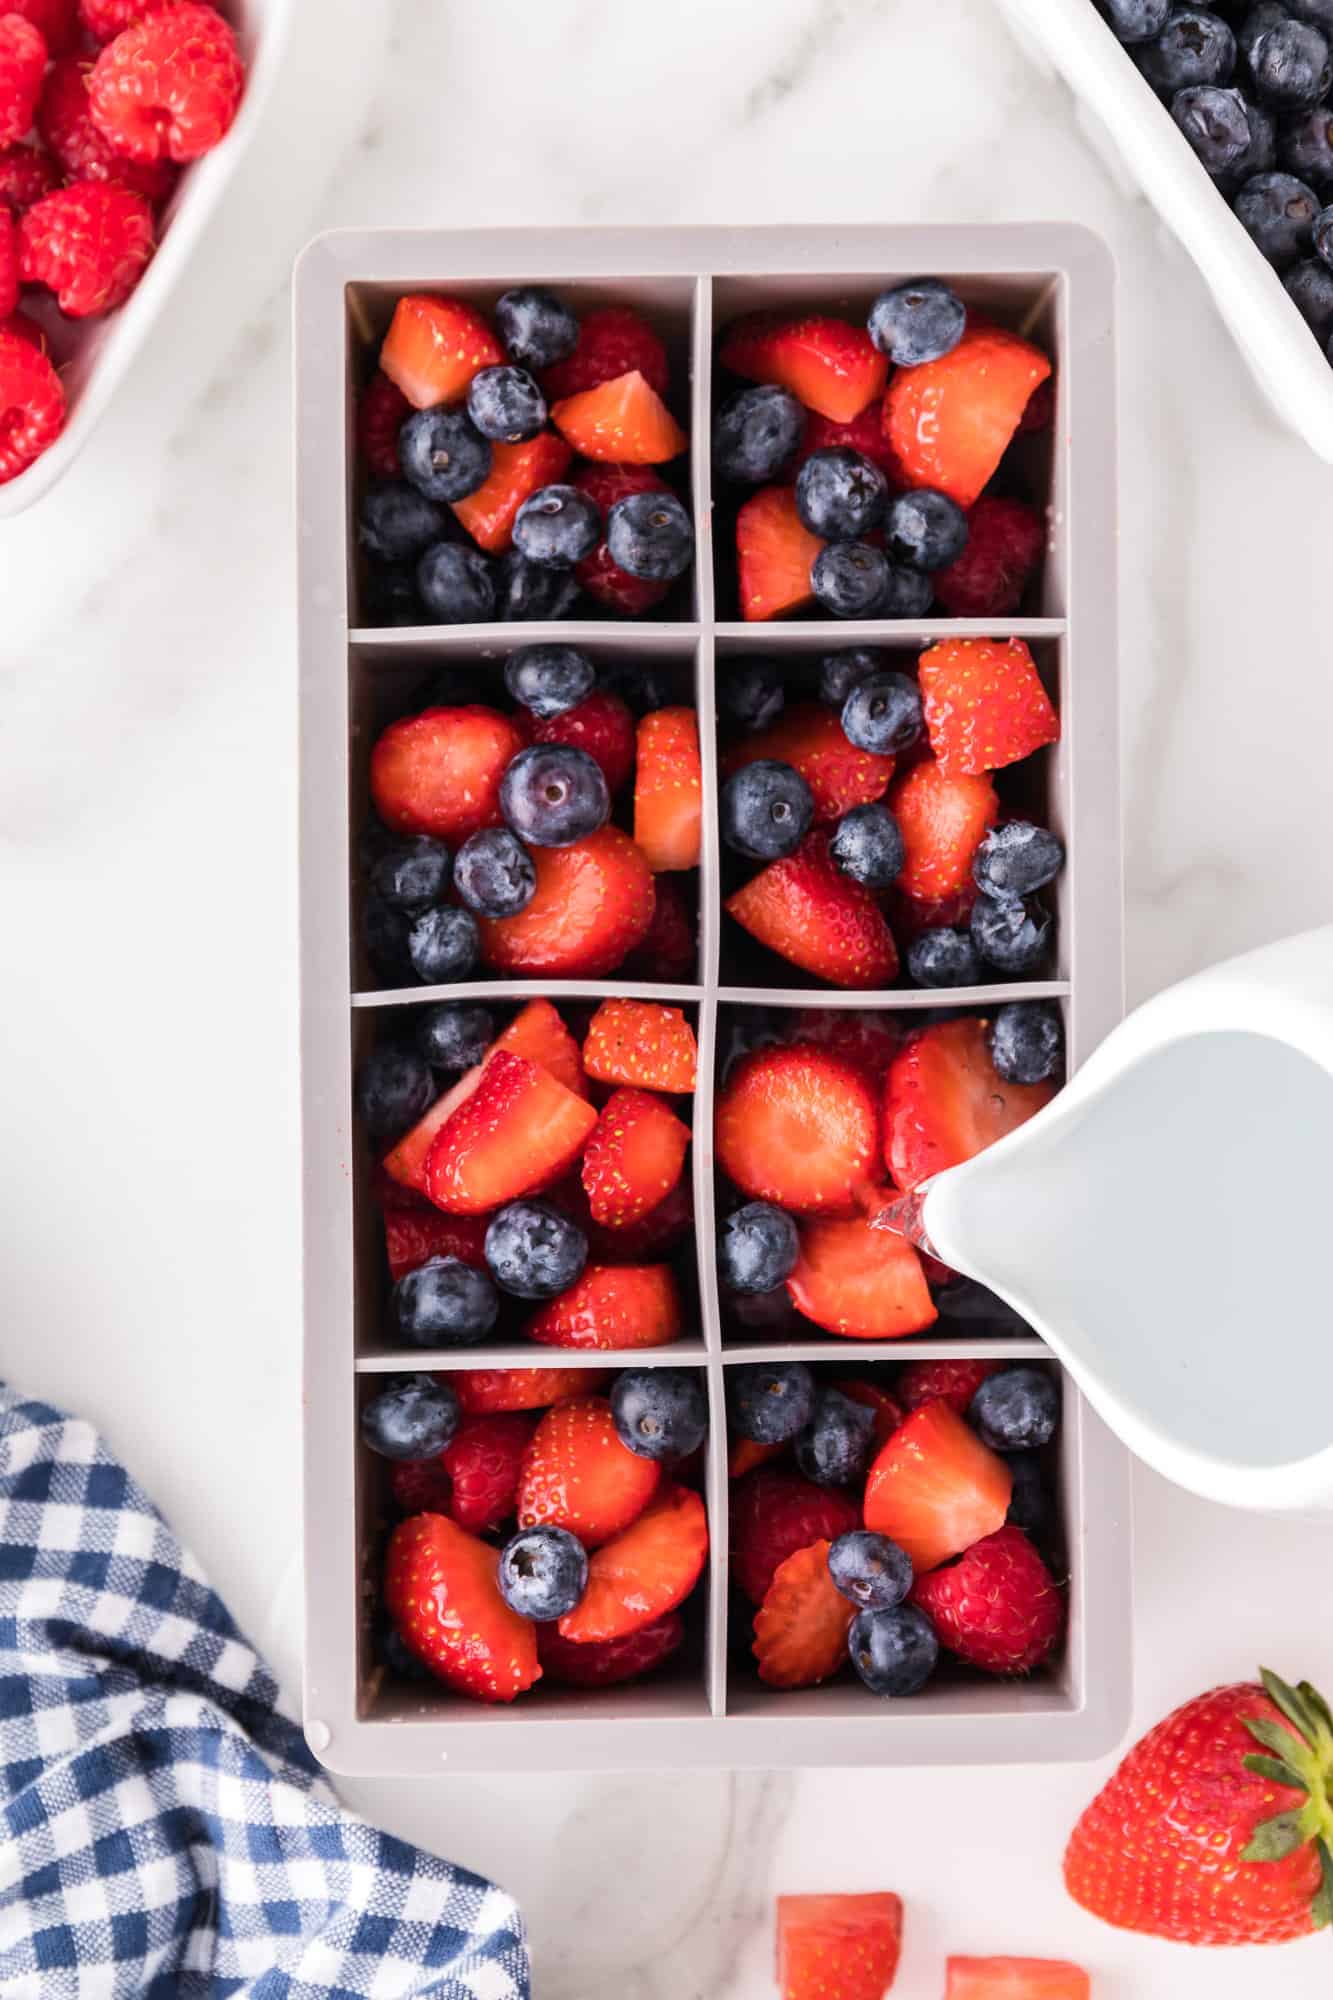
(483, 1460)
(53, 20)
(105, 19)
(32, 402)
(773, 1514)
(1040, 411)
(26, 174)
(1005, 541)
(380, 416)
(9, 264)
(865, 433)
(88, 243)
(603, 579)
(997, 1607)
(952, 1382)
(22, 67)
(420, 1486)
(612, 341)
(169, 87)
(65, 121)
(602, 1663)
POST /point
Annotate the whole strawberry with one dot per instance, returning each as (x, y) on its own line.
(997, 1607)
(89, 243)
(1218, 1827)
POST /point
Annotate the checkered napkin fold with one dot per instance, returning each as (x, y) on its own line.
(164, 1830)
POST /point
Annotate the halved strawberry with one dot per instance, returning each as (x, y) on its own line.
(945, 1101)
(593, 903)
(773, 1514)
(807, 911)
(935, 1488)
(949, 421)
(797, 1126)
(810, 738)
(600, 576)
(984, 704)
(1016, 1979)
(951, 1382)
(843, 1946)
(634, 1158)
(775, 553)
(863, 434)
(614, 1661)
(867, 1283)
(518, 1131)
(831, 365)
(517, 470)
(482, 1390)
(1005, 541)
(667, 953)
(668, 789)
(800, 1629)
(639, 1042)
(997, 1607)
(624, 421)
(410, 1238)
(441, 1591)
(943, 818)
(434, 347)
(612, 341)
(538, 1033)
(888, 1412)
(380, 415)
(602, 726)
(483, 1460)
(439, 772)
(613, 1305)
(640, 1575)
(577, 1475)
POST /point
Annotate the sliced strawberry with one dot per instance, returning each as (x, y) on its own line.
(638, 1042)
(943, 818)
(773, 1514)
(421, 1485)
(668, 789)
(411, 1237)
(1016, 1979)
(935, 1488)
(810, 738)
(1005, 543)
(634, 1158)
(800, 1629)
(614, 1661)
(797, 1126)
(775, 553)
(945, 1101)
(832, 366)
(612, 341)
(517, 470)
(867, 1283)
(846, 1946)
(871, 1041)
(807, 911)
(640, 1575)
(602, 726)
(434, 347)
(997, 1607)
(518, 1131)
(747, 1455)
(593, 903)
(483, 1390)
(864, 434)
(888, 1413)
(623, 421)
(441, 1591)
(482, 1461)
(613, 1306)
(601, 577)
(439, 772)
(951, 1382)
(380, 416)
(949, 421)
(650, 1239)
(538, 1033)
(577, 1474)
(667, 953)
(984, 704)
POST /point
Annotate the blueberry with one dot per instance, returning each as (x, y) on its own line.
(836, 1446)
(454, 1036)
(964, 1299)
(1017, 858)
(840, 495)
(908, 592)
(456, 585)
(534, 1250)
(1309, 285)
(769, 1402)
(1029, 1502)
(944, 957)
(1196, 46)
(385, 931)
(1257, 21)
(757, 1247)
(895, 1652)
(924, 529)
(1135, 20)
(851, 579)
(868, 846)
(1323, 235)
(494, 873)
(443, 453)
(505, 405)
(543, 1573)
(749, 693)
(642, 688)
(524, 591)
(1291, 66)
(766, 809)
(650, 536)
(883, 713)
(443, 945)
(660, 1412)
(1026, 1041)
(536, 327)
(557, 527)
(755, 432)
(553, 794)
(870, 1570)
(394, 1088)
(1305, 146)
(549, 679)
(919, 321)
(413, 1417)
(1318, 12)
(444, 1303)
(390, 595)
(411, 872)
(1259, 156)
(396, 522)
(1016, 1410)
(1214, 121)
(1008, 935)
(840, 672)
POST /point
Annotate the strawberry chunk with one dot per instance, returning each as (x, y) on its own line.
(640, 1575)
(614, 1661)
(810, 738)
(482, 1390)
(637, 1042)
(1016, 1979)
(406, 1162)
(613, 1306)
(808, 912)
(997, 1607)
(380, 415)
(800, 1629)
(797, 1126)
(434, 347)
(945, 1101)
(519, 1130)
(773, 1514)
(951, 1382)
(593, 903)
(943, 818)
(634, 1157)
(867, 1283)
(624, 421)
(864, 434)
(846, 1946)
(517, 470)
(602, 726)
(668, 790)
(935, 1488)
(599, 574)
(613, 340)
(439, 772)
(984, 705)
(832, 366)
(577, 1475)
(441, 1590)
(775, 553)
(667, 953)
(538, 1033)
(483, 1460)
(949, 421)
(412, 1237)
(1005, 543)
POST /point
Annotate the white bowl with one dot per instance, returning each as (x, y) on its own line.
(95, 354)
(1124, 114)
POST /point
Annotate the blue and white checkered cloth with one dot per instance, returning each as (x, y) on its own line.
(163, 1828)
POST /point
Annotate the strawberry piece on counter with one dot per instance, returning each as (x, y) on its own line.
(843, 1946)
(1016, 1979)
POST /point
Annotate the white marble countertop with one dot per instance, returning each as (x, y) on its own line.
(147, 862)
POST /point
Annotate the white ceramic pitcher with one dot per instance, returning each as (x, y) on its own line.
(1166, 1224)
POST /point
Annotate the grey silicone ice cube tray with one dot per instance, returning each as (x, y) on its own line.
(1053, 281)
